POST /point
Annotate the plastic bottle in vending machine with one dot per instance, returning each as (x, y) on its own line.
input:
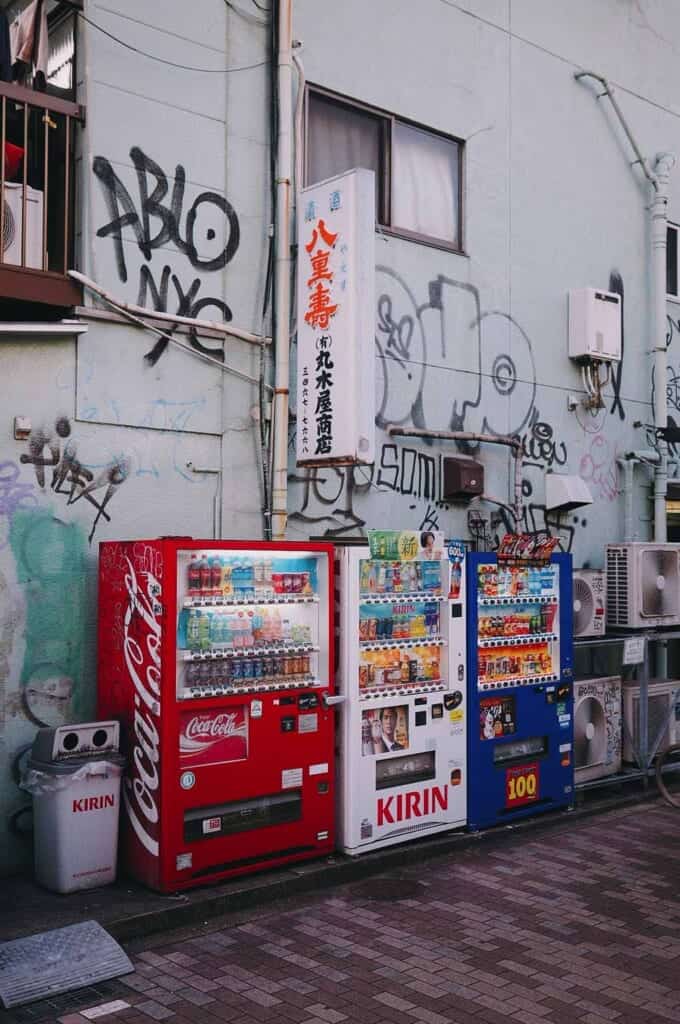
(226, 585)
(215, 629)
(267, 583)
(192, 674)
(193, 630)
(216, 575)
(204, 631)
(193, 577)
(204, 566)
(258, 622)
(276, 628)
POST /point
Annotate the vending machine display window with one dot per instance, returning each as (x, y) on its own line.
(247, 621)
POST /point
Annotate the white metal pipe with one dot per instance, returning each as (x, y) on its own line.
(628, 466)
(145, 325)
(299, 108)
(609, 93)
(282, 268)
(467, 435)
(659, 225)
(152, 314)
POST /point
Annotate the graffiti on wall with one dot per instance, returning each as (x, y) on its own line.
(51, 558)
(15, 494)
(54, 447)
(447, 364)
(206, 233)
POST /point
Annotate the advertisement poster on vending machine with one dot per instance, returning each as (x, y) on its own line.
(384, 730)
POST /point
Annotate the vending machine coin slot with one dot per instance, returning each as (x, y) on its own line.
(288, 724)
(437, 710)
(308, 700)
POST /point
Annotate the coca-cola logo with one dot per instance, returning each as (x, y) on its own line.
(218, 727)
(142, 653)
(213, 737)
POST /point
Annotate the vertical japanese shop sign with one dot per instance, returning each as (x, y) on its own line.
(335, 330)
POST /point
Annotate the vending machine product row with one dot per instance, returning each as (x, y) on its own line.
(216, 658)
(402, 673)
(520, 734)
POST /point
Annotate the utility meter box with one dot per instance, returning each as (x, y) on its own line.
(462, 478)
(594, 325)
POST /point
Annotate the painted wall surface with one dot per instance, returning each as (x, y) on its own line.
(174, 214)
(479, 341)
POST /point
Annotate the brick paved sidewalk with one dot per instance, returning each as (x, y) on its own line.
(577, 925)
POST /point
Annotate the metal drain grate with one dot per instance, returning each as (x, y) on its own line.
(388, 889)
(58, 961)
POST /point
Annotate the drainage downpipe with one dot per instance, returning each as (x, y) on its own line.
(659, 214)
(466, 435)
(282, 267)
(628, 465)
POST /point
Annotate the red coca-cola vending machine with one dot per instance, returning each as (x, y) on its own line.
(215, 656)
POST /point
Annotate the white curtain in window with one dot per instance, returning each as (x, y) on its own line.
(340, 138)
(425, 183)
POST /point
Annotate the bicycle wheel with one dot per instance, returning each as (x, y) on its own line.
(668, 758)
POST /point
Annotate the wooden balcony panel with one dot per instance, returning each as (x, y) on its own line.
(25, 285)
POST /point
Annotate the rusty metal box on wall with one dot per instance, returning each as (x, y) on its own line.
(462, 478)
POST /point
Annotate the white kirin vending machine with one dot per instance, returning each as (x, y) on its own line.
(401, 671)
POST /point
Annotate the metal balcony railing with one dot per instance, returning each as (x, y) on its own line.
(37, 196)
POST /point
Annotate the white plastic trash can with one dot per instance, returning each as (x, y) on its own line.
(74, 775)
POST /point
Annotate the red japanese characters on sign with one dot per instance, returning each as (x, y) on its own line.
(320, 308)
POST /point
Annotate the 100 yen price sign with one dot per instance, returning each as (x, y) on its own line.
(521, 785)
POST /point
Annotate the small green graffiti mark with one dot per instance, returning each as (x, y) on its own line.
(52, 567)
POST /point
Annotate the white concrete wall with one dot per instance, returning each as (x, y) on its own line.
(551, 203)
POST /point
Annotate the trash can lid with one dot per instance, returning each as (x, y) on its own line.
(73, 764)
(67, 742)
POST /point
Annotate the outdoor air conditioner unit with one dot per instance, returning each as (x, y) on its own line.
(589, 602)
(12, 222)
(643, 585)
(597, 728)
(660, 702)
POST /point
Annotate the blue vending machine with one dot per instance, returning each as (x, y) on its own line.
(520, 682)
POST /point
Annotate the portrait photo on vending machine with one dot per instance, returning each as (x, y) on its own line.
(384, 730)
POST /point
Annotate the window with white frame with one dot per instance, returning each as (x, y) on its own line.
(418, 172)
(672, 283)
